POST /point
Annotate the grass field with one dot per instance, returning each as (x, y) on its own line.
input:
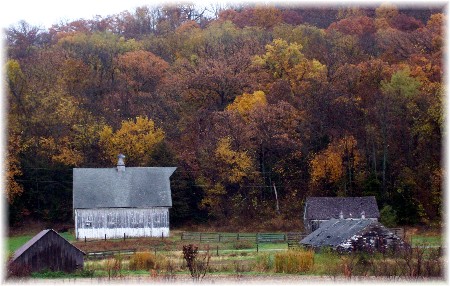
(15, 242)
(231, 257)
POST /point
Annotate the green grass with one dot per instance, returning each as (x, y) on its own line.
(14, 243)
(418, 240)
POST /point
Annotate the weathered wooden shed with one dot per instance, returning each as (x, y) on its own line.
(321, 209)
(48, 251)
(353, 234)
(131, 201)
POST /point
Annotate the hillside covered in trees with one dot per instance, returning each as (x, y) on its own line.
(258, 107)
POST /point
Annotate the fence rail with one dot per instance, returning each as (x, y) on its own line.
(223, 237)
(110, 253)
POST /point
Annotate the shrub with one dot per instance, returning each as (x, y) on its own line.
(198, 266)
(114, 266)
(388, 216)
(294, 261)
(142, 261)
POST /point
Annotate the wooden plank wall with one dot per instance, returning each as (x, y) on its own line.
(51, 252)
(117, 222)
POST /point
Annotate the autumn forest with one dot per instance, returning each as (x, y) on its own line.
(257, 106)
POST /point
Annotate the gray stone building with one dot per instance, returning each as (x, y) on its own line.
(130, 201)
(321, 209)
(346, 235)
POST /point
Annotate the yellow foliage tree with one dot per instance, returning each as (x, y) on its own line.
(136, 139)
(286, 61)
(336, 164)
(238, 163)
(13, 188)
(247, 102)
(231, 168)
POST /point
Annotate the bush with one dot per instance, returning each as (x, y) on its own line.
(388, 216)
(142, 261)
(294, 261)
(114, 266)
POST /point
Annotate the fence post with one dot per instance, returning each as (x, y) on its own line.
(238, 236)
(124, 236)
(257, 248)
(155, 250)
(105, 236)
(85, 239)
(200, 237)
(217, 250)
(219, 236)
(162, 235)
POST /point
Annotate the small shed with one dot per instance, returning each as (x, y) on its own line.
(353, 234)
(122, 201)
(48, 251)
(322, 209)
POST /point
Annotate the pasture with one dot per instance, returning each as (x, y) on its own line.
(235, 258)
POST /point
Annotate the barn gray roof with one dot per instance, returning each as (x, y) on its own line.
(324, 208)
(136, 187)
(337, 231)
(36, 238)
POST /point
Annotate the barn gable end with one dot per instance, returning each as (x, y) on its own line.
(118, 202)
(49, 250)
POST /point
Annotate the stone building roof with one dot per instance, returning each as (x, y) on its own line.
(324, 208)
(341, 232)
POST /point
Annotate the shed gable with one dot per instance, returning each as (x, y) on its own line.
(49, 250)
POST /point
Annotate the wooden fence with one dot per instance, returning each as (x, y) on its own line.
(110, 253)
(224, 237)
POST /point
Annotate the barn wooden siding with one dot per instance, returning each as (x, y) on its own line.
(51, 252)
(115, 222)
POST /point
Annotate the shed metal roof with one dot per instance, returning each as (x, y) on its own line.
(36, 238)
(136, 187)
(324, 208)
(336, 231)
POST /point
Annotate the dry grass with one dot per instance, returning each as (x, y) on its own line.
(140, 244)
(294, 261)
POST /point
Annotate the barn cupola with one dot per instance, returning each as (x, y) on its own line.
(121, 163)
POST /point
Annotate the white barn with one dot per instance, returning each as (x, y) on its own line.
(132, 201)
